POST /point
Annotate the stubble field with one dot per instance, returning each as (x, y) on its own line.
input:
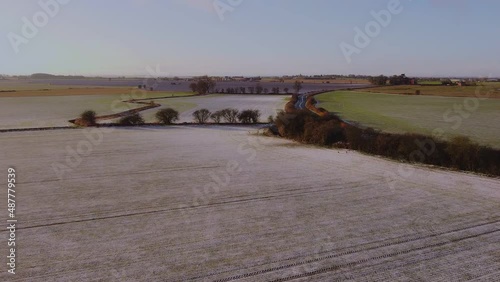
(222, 204)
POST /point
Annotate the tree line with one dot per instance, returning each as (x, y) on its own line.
(459, 153)
(393, 80)
(205, 85)
(169, 116)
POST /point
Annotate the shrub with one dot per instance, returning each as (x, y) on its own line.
(463, 153)
(325, 132)
(201, 116)
(249, 116)
(353, 136)
(88, 118)
(290, 105)
(459, 153)
(386, 144)
(292, 125)
(270, 119)
(489, 160)
(135, 119)
(230, 115)
(167, 116)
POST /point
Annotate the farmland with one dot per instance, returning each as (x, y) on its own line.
(208, 203)
(492, 89)
(267, 105)
(17, 89)
(417, 114)
(57, 110)
(250, 141)
(51, 111)
(47, 103)
(149, 213)
(162, 85)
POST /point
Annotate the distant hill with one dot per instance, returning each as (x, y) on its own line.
(51, 76)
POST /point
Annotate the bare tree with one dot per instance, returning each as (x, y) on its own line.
(204, 85)
(201, 116)
(249, 116)
(230, 115)
(167, 116)
(217, 116)
(297, 86)
(259, 89)
(193, 86)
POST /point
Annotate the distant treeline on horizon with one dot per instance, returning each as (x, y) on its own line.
(300, 76)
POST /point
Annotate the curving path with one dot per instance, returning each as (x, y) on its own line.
(148, 105)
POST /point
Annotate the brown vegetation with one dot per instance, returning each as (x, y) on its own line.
(311, 106)
(460, 153)
(290, 106)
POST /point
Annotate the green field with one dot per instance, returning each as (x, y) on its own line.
(429, 82)
(490, 89)
(418, 114)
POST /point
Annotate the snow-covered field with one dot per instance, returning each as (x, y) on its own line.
(30, 112)
(267, 105)
(221, 204)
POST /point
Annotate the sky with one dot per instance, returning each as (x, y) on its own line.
(250, 37)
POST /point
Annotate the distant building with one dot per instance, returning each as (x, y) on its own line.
(459, 82)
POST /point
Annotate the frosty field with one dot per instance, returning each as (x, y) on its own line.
(266, 104)
(29, 112)
(215, 203)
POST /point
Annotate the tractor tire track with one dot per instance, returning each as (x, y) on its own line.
(351, 264)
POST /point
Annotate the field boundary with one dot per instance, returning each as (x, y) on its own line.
(159, 125)
(460, 153)
(468, 91)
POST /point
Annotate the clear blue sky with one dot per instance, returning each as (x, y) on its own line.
(259, 37)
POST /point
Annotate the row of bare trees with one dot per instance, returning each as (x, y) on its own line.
(228, 115)
(206, 85)
(169, 116)
(203, 86)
